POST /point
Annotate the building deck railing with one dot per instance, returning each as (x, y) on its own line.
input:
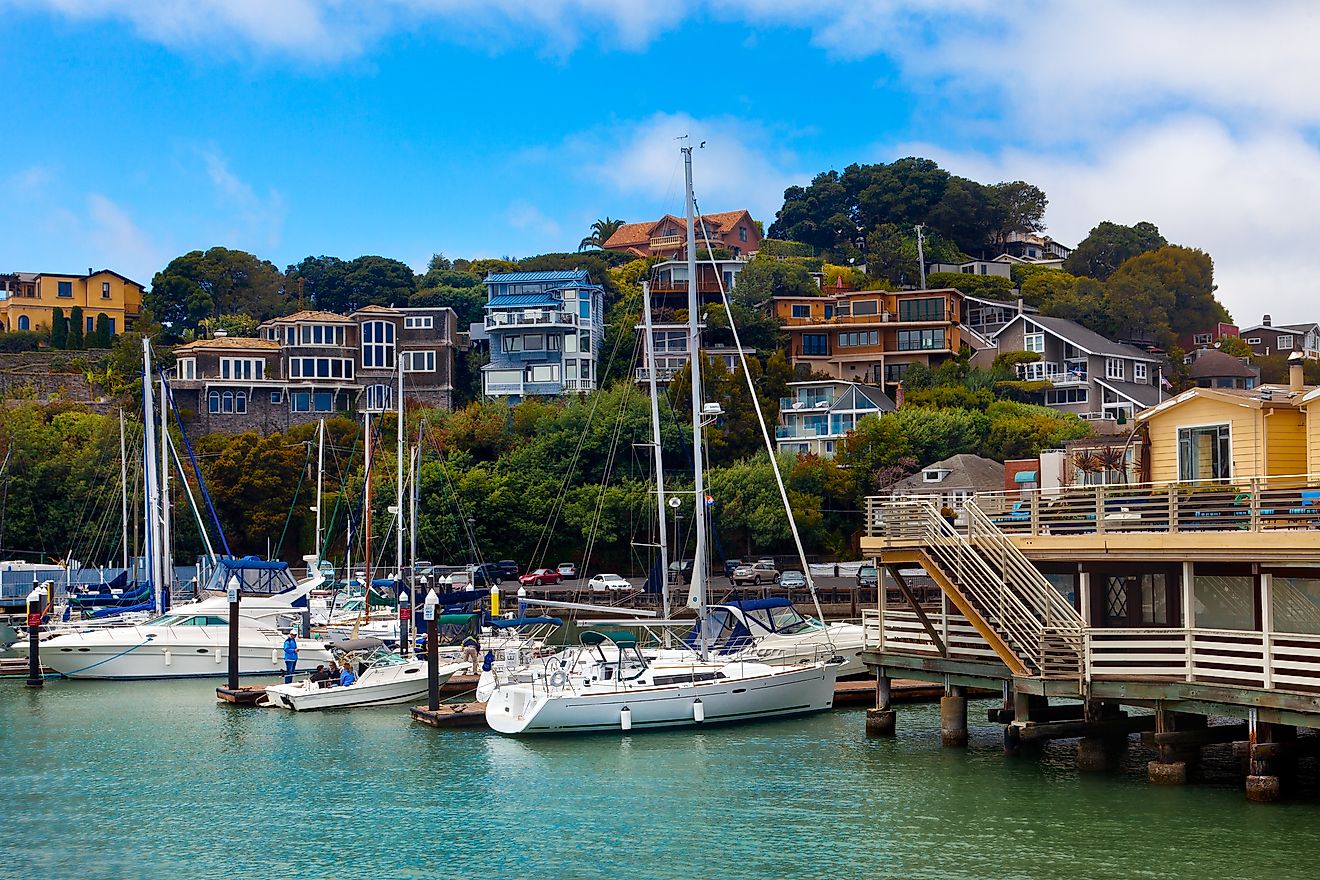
(546, 318)
(902, 632)
(1242, 658)
(1258, 504)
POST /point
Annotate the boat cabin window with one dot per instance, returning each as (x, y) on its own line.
(788, 620)
(719, 626)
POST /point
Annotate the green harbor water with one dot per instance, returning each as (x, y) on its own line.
(156, 779)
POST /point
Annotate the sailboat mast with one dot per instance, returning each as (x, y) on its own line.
(366, 508)
(694, 346)
(398, 482)
(149, 480)
(320, 473)
(659, 461)
(167, 555)
(123, 489)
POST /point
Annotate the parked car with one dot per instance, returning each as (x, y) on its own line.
(607, 582)
(730, 565)
(486, 575)
(792, 580)
(756, 573)
(866, 576)
(541, 577)
(568, 571)
(680, 571)
(508, 569)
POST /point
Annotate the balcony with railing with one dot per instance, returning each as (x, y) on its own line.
(530, 319)
(678, 240)
(1231, 515)
(806, 404)
(662, 374)
(802, 432)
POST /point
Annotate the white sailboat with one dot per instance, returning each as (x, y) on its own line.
(387, 680)
(608, 684)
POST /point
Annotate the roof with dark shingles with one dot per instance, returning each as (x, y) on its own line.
(248, 343)
(1209, 362)
(966, 471)
(1088, 339)
(557, 275)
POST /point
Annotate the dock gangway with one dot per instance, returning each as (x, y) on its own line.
(1025, 620)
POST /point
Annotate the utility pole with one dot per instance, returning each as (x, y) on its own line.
(921, 255)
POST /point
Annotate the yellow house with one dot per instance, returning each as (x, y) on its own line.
(28, 300)
(1230, 434)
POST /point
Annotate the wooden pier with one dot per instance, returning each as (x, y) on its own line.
(452, 715)
(17, 667)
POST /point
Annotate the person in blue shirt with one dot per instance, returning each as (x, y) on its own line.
(290, 656)
(347, 677)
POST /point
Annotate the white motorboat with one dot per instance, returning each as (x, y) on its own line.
(388, 680)
(774, 632)
(609, 685)
(192, 640)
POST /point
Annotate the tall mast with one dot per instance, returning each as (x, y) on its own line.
(166, 551)
(366, 524)
(414, 472)
(123, 489)
(320, 471)
(149, 480)
(659, 461)
(398, 481)
(699, 478)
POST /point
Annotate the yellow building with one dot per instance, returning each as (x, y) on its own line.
(1229, 434)
(28, 300)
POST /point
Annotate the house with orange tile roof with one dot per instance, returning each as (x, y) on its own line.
(667, 237)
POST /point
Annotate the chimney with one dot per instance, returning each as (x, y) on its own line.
(1265, 321)
(1020, 305)
(221, 333)
(90, 273)
(1296, 375)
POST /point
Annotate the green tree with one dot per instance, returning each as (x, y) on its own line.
(77, 340)
(601, 231)
(1177, 280)
(991, 286)
(1020, 207)
(104, 337)
(219, 281)
(1109, 244)
(764, 277)
(59, 329)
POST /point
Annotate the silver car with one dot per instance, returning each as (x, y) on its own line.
(792, 580)
(756, 573)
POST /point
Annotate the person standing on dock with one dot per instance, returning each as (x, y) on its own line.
(472, 652)
(290, 656)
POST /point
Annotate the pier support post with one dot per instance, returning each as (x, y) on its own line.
(1095, 754)
(1263, 757)
(235, 593)
(882, 720)
(36, 608)
(1173, 761)
(953, 717)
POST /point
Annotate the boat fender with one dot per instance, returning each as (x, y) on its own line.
(698, 710)
(275, 657)
(625, 718)
(168, 659)
(219, 655)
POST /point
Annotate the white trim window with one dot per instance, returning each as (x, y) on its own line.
(320, 368)
(419, 361)
(320, 334)
(1034, 342)
(1285, 341)
(419, 322)
(1139, 373)
(1253, 340)
(378, 345)
(1114, 368)
(242, 368)
(186, 368)
(378, 397)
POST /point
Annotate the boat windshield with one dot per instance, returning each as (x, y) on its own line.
(788, 621)
(188, 620)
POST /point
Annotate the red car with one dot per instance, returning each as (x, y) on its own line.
(541, 577)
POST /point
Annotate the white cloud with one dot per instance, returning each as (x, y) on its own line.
(252, 218)
(742, 165)
(114, 240)
(528, 217)
(1251, 201)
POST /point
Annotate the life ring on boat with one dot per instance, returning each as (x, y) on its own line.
(558, 678)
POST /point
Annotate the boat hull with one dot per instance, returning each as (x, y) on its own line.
(524, 709)
(386, 686)
(128, 656)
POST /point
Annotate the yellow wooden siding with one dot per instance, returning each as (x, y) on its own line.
(1313, 437)
(1285, 442)
(1245, 431)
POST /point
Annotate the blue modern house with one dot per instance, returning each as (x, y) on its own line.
(545, 332)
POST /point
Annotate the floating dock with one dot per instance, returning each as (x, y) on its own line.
(452, 715)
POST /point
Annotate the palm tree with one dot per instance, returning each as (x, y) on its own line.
(601, 231)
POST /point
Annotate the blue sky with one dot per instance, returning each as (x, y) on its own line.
(141, 129)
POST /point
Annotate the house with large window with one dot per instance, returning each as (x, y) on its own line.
(28, 300)
(311, 364)
(817, 415)
(545, 330)
(734, 231)
(1089, 375)
(1268, 338)
(873, 336)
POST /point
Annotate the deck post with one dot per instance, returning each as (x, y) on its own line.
(1099, 753)
(1262, 756)
(882, 720)
(953, 717)
(1172, 761)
